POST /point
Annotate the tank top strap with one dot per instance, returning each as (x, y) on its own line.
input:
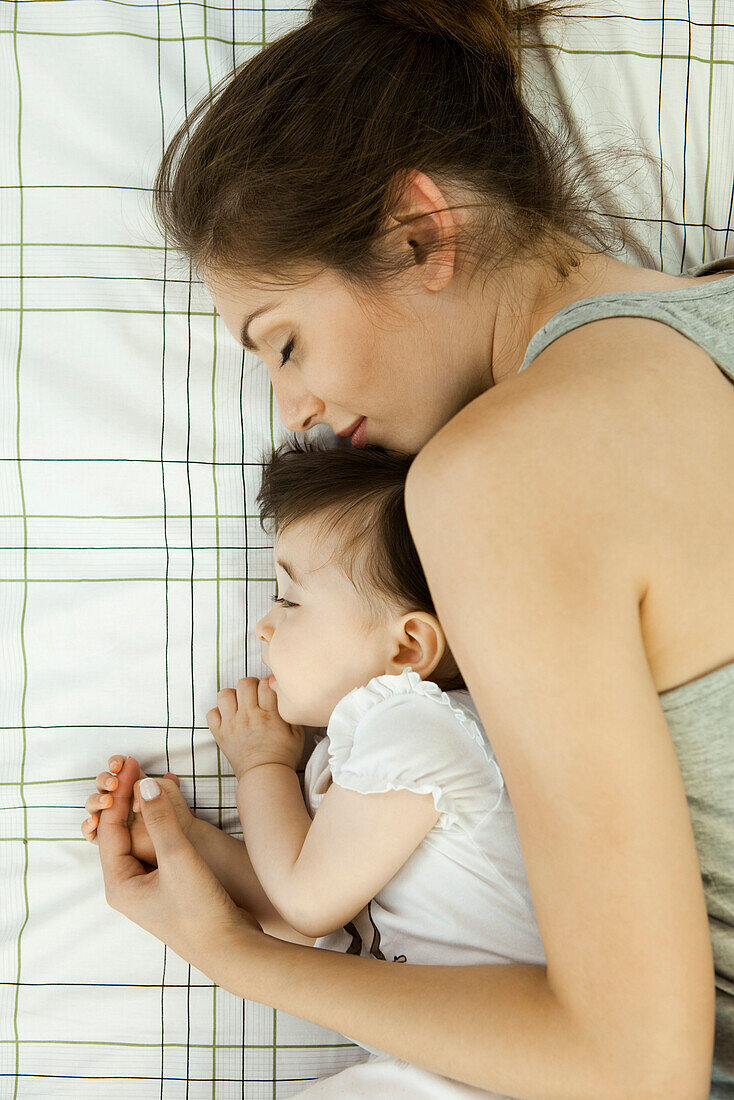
(704, 314)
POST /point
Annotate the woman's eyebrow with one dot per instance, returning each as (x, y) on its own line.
(291, 572)
(245, 339)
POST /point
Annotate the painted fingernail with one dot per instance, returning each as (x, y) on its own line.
(149, 789)
(106, 800)
(110, 784)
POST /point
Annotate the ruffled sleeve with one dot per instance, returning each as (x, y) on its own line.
(404, 733)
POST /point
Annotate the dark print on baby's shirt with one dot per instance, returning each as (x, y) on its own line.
(355, 947)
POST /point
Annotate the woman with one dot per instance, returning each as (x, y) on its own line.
(378, 216)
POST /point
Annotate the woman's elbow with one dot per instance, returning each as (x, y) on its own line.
(657, 1067)
(681, 1048)
(672, 1084)
(635, 1075)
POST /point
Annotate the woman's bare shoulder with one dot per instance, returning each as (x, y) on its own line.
(533, 515)
(574, 422)
(613, 406)
(617, 443)
(616, 375)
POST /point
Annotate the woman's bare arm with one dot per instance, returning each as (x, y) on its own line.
(558, 488)
(540, 599)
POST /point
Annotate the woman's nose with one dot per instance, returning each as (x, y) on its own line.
(299, 409)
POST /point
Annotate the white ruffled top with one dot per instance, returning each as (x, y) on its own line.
(402, 732)
(462, 897)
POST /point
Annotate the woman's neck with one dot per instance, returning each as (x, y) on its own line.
(523, 298)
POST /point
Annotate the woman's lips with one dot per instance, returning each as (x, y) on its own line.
(359, 435)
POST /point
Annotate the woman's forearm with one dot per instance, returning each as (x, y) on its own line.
(228, 859)
(496, 1027)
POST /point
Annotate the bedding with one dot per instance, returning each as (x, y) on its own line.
(133, 567)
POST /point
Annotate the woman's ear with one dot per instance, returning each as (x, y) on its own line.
(426, 228)
(416, 641)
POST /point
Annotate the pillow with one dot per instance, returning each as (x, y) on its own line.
(133, 566)
(654, 79)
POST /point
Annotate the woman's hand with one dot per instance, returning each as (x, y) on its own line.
(141, 843)
(249, 730)
(181, 902)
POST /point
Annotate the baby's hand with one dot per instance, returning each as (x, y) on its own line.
(142, 845)
(249, 730)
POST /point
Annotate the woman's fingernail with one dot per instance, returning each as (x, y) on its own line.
(149, 789)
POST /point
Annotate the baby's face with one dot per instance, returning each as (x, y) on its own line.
(317, 642)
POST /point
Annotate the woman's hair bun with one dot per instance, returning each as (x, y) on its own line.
(483, 26)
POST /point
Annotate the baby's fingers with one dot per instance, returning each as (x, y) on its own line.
(105, 781)
(98, 802)
(266, 697)
(89, 828)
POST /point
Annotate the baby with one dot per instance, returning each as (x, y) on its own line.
(403, 845)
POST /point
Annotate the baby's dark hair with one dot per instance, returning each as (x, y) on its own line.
(361, 494)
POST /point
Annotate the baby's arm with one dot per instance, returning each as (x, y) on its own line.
(319, 874)
(227, 857)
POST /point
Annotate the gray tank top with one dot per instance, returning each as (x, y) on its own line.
(700, 714)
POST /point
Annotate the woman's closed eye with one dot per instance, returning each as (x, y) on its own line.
(287, 351)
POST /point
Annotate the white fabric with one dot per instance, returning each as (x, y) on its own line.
(462, 898)
(381, 1076)
(653, 77)
(403, 732)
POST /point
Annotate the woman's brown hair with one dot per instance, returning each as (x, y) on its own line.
(358, 495)
(295, 161)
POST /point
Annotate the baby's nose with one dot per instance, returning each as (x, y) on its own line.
(263, 630)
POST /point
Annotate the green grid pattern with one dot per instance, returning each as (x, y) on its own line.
(111, 470)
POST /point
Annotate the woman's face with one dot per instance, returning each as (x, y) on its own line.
(405, 364)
